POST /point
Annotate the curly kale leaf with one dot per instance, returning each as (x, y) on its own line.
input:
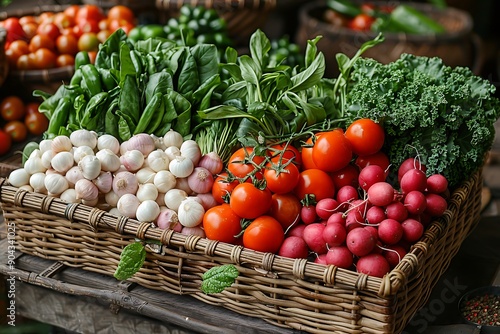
(445, 114)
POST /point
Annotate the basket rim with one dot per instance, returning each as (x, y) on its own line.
(385, 287)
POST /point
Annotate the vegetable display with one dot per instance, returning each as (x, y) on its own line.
(254, 151)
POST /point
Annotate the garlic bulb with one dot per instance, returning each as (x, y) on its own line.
(62, 161)
(80, 152)
(110, 142)
(172, 138)
(110, 162)
(55, 184)
(147, 211)
(83, 137)
(90, 166)
(19, 177)
(190, 212)
(181, 166)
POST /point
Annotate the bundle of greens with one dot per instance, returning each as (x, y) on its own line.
(445, 115)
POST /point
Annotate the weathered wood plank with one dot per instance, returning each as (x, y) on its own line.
(180, 311)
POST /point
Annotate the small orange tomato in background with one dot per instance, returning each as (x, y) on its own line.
(44, 58)
(65, 60)
(120, 12)
(88, 42)
(12, 108)
(17, 130)
(67, 44)
(36, 122)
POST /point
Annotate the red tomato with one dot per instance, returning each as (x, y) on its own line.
(221, 223)
(366, 136)
(89, 12)
(222, 188)
(5, 142)
(19, 46)
(285, 208)
(89, 26)
(88, 41)
(264, 234)
(30, 29)
(17, 130)
(248, 201)
(41, 41)
(31, 107)
(36, 122)
(281, 176)
(14, 29)
(379, 158)
(23, 63)
(290, 152)
(12, 58)
(346, 176)
(67, 44)
(65, 60)
(71, 11)
(63, 21)
(12, 108)
(243, 161)
(315, 182)
(361, 22)
(50, 29)
(306, 154)
(28, 19)
(44, 58)
(332, 151)
(120, 12)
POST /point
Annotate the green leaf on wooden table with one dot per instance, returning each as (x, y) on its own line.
(216, 279)
(131, 260)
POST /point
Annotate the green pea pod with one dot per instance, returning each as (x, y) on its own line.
(136, 61)
(414, 21)
(76, 79)
(147, 115)
(92, 79)
(81, 58)
(111, 120)
(93, 110)
(59, 117)
(155, 121)
(107, 79)
(344, 7)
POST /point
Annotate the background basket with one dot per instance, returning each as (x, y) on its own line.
(243, 17)
(458, 46)
(291, 293)
(47, 80)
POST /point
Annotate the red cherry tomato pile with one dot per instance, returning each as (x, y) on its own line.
(52, 39)
(19, 120)
(266, 203)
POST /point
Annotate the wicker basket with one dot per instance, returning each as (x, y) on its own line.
(47, 80)
(243, 17)
(291, 293)
(458, 46)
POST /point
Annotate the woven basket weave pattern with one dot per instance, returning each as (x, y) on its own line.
(287, 292)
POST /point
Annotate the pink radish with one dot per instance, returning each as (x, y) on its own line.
(396, 210)
(354, 219)
(313, 236)
(370, 175)
(415, 202)
(325, 207)
(297, 230)
(373, 265)
(340, 256)
(410, 163)
(294, 247)
(338, 218)
(393, 254)
(381, 193)
(436, 205)
(412, 230)
(321, 259)
(437, 184)
(375, 215)
(373, 230)
(390, 231)
(308, 214)
(347, 194)
(360, 241)
(414, 179)
(334, 234)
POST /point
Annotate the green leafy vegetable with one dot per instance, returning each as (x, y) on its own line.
(131, 260)
(444, 114)
(216, 279)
